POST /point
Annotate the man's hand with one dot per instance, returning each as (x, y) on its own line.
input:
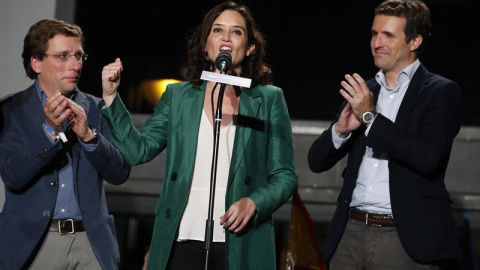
(78, 121)
(347, 122)
(238, 215)
(360, 100)
(56, 110)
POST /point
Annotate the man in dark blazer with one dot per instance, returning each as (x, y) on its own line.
(394, 211)
(55, 153)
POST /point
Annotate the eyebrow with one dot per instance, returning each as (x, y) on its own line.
(235, 26)
(68, 52)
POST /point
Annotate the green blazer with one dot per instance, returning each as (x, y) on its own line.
(262, 165)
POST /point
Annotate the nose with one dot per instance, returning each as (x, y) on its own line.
(377, 41)
(74, 63)
(226, 36)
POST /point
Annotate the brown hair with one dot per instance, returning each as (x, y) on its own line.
(254, 65)
(36, 41)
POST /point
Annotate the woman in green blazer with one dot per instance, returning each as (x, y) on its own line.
(255, 172)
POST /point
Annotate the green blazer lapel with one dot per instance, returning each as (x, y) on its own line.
(250, 105)
(187, 113)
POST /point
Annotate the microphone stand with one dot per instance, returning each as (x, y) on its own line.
(213, 175)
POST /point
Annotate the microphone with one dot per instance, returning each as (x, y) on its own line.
(223, 62)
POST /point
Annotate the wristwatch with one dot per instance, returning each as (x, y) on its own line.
(96, 137)
(368, 117)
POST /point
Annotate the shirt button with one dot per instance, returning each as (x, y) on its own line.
(168, 213)
(46, 213)
(174, 176)
(63, 185)
(63, 210)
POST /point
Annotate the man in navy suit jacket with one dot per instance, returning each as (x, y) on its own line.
(394, 211)
(55, 153)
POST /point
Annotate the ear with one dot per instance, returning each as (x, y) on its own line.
(415, 43)
(36, 64)
(251, 50)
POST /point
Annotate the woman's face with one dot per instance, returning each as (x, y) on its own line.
(229, 33)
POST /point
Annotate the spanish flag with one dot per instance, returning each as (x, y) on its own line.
(303, 250)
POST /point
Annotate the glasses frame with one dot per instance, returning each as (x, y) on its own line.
(66, 57)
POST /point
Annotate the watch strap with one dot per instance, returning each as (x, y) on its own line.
(96, 137)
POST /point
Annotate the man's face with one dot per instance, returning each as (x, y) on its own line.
(390, 50)
(57, 72)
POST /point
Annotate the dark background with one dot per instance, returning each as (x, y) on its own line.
(311, 46)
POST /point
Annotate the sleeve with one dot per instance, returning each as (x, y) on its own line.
(282, 179)
(106, 159)
(327, 150)
(143, 145)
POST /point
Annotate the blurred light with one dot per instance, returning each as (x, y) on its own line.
(152, 90)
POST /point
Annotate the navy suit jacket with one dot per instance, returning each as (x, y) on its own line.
(418, 146)
(29, 163)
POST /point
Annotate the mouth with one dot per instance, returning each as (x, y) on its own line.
(225, 49)
(73, 79)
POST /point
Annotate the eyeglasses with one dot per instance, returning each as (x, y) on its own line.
(66, 57)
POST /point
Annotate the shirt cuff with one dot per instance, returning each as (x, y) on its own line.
(337, 141)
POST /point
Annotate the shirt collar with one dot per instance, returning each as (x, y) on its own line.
(405, 76)
(43, 96)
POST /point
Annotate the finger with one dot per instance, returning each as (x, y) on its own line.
(221, 220)
(65, 114)
(53, 101)
(361, 82)
(77, 109)
(113, 67)
(346, 92)
(229, 222)
(234, 227)
(55, 109)
(119, 63)
(242, 225)
(353, 83)
(224, 218)
(348, 87)
(60, 109)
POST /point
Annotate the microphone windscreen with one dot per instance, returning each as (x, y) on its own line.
(223, 61)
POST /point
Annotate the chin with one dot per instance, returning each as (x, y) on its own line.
(67, 92)
(380, 64)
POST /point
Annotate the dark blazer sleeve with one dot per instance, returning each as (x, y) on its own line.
(322, 154)
(106, 158)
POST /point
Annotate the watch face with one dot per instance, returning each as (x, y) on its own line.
(367, 117)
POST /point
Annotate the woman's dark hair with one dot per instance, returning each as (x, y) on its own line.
(253, 67)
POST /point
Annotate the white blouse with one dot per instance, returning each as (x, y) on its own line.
(193, 223)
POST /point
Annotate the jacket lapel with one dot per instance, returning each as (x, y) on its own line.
(32, 106)
(250, 104)
(187, 113)
(414, 90)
